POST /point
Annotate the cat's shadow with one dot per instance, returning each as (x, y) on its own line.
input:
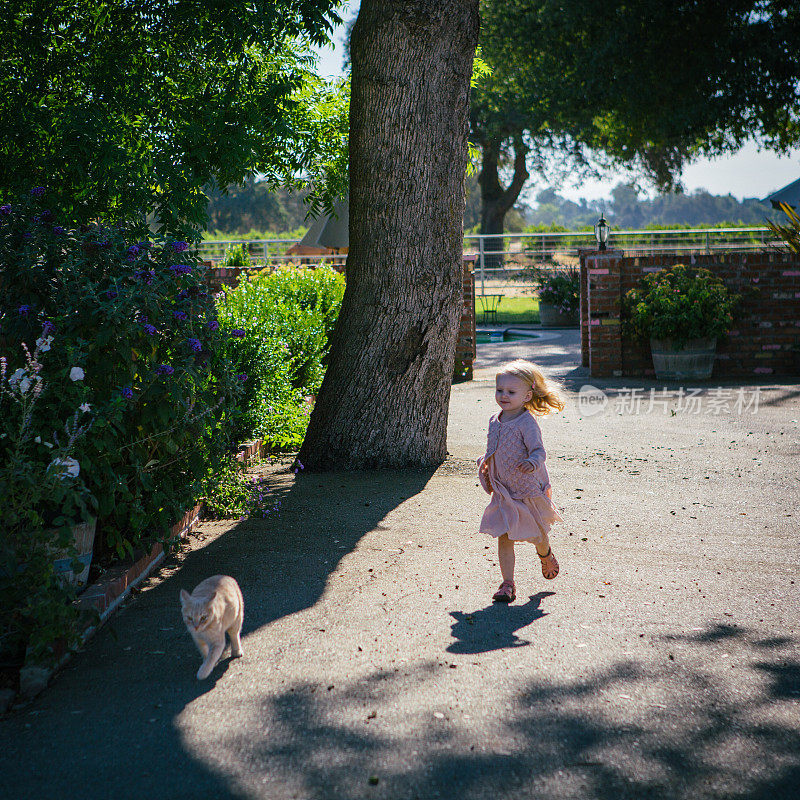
(494, 627)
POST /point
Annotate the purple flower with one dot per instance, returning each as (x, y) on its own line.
(38, 191)
(47, 327)
(5, 209)
(181, 269)
(164, 369)
(242, 376)
(23, 310)
(111, 294)
(150, 330)
(179, 247)
(58, 229)
(237, 333)
(146, 275)
(183, 294)
(179, 315)
(133, 250)
(195, 345)
(213, 325)
(127, 392)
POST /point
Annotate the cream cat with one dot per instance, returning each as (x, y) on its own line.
(214, 607)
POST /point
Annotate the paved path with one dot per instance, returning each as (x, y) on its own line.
(662, 663)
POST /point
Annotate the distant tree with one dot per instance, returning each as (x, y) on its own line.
(627, 209)
(133, 106)
(639, 84)
(256, 205)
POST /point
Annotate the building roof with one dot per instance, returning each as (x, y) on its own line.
(332, 232)
(789, 194)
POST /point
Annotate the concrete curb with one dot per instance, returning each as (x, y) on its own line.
(105, 596)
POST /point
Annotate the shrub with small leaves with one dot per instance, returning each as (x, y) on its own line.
(278, 328)
(560, 288)
(679, 303)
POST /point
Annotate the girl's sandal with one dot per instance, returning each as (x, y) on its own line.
(549, 565)
(506, 593)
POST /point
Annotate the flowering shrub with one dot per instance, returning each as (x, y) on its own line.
(279, 325)
(139, 343)
(678, 303)
(561, 288)
(231, 492)
(43, 495)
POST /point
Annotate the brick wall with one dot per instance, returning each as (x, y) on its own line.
(465, 344)
(766, 325)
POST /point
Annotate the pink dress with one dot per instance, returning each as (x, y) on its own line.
(519, 505)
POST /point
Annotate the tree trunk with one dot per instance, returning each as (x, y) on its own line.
(385, 396)
(496, 201)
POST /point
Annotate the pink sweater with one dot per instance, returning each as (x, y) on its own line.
(512, 443)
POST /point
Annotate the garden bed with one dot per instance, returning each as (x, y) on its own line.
(21, 683)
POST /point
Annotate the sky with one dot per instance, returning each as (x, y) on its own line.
(750, 172)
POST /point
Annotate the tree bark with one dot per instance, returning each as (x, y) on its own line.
(496, 200)
(385, 396)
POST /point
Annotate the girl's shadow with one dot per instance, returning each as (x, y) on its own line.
(494, 628)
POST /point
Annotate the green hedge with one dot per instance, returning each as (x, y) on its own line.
(280, 324)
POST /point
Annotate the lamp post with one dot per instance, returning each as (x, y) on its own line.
(601, 232)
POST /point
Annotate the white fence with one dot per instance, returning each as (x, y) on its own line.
(501, 261)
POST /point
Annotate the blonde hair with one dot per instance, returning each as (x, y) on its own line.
(547, 393)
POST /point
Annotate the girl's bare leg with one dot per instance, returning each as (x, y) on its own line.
(505, 554)
(543, 547)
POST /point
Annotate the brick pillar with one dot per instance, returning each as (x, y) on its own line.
(465, 344)
(584, 309)
(603, 301)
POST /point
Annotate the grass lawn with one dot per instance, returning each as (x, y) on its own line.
(512, 310)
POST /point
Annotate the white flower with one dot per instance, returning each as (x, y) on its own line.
(76, 374)
(84, 407)
(24, 385)
(38, 440)
(14, 378)
(43, 343)
(68, 467)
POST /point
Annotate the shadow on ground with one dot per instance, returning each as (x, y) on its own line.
(494, 627)
(109, 719)
(637, 729)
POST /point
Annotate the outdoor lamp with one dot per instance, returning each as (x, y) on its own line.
(601, 232)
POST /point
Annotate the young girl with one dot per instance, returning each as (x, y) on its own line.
(514, 473)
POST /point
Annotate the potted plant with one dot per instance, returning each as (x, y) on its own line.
(682, 311)
(559, 296)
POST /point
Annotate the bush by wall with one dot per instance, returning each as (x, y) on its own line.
(279, 325)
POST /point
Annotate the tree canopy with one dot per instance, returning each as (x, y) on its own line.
(133, 106)
(637, 83)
